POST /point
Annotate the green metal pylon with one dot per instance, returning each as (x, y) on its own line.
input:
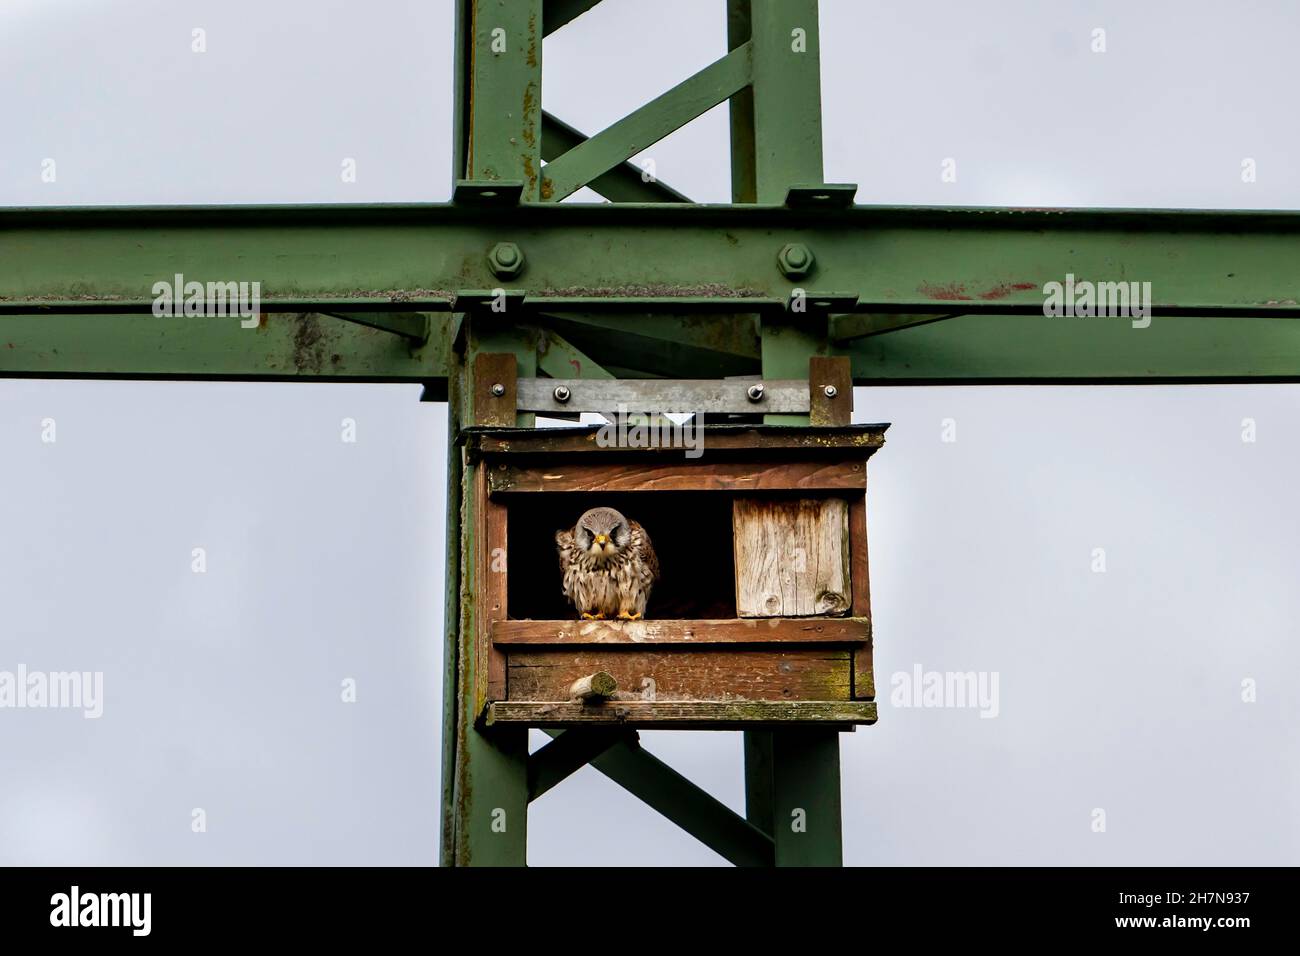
(771, 76)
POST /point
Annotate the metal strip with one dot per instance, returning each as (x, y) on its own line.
(661, 395)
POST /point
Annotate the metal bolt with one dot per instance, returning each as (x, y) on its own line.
(561, 394)
(498, 389)
(830, 391)
(795, 260)
(755, 392)
(506, 260)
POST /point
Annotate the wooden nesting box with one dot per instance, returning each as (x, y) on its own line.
(761, 615)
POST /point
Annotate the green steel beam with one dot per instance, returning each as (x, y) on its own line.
(845, 328)
(758, 779)
(741, 110)
(667, 346)
(806, 811)
(694, 810)
(504, 104)
(624, 256)
(569, 752)
(776, 143)
(622, 183)
(788, 342)
(498, 137)
(409, 325)
(451, 661)
(556, 13)
(283, 346)
(966, 349)
(1011, 349)
(488, 820)
(647, 125)
(559, 358)
(776, 126)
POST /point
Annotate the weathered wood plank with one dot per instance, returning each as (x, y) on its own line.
(495, 593)
(736, 715)
(792, 557)
(490, 583)
(837, 630)
(864, 685)
(863, 440)
(685, 674)
(840, 475)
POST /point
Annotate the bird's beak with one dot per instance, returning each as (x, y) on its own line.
(601, 539)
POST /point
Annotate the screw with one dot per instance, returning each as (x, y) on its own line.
(795, 260)
(561, 394)
(498, 389)
(755, 392)
(830, 391)
(506, 260)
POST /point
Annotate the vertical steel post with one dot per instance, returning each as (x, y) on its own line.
(778, 122)
(451, 624)
(489, 816)
(792, 778)
(498, 137)
(806, 798)
(502, 128)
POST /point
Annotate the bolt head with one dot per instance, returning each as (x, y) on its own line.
(755, 392)
(498, 389)
(506, 260)
(795, 259)
(562, 394)
(830, 391)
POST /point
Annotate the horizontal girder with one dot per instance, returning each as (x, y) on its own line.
(967, 349)
(607, 257)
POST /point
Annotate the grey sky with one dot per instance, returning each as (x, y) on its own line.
(1118, 690)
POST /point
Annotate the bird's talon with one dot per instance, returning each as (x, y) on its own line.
(593, 617)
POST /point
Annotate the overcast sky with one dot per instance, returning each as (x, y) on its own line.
(1119, 690)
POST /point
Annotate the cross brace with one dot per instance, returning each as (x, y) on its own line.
(660, 787)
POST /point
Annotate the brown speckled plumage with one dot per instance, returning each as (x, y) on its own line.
(609, 579)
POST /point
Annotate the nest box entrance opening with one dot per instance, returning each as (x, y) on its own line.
(691, 533)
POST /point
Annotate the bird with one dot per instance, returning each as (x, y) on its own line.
(609, 565)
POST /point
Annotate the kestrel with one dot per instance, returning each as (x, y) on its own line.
(609, 565)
